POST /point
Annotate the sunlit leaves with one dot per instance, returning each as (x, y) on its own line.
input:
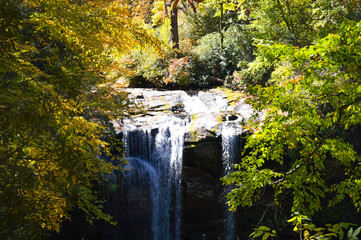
(305, 226)
(311, 103)
(55, 103)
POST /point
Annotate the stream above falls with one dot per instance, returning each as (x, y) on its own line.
(204, 110)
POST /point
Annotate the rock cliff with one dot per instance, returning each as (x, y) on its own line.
(206, 112)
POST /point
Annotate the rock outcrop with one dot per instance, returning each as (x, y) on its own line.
(203, 202)
(205, 113)
(205, 110)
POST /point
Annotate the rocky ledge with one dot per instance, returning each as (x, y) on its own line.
(207, 115)
(204, 110)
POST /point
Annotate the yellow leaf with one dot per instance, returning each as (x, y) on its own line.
(74, 179)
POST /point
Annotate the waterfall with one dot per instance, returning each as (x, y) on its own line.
(143, 173)
(159, 152)
(230, 153)
(145, 198)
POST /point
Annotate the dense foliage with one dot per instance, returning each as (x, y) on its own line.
(310, 107)
(55, 102)
(211, 48)
(301, 157)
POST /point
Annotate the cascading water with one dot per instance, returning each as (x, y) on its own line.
(159, 153)
(146, 199)
(230, 155)
(154, 146)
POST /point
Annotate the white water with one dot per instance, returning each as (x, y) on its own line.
(154, 142)
(160, 155)
(143, 171)
(230, 151)
(204, 102)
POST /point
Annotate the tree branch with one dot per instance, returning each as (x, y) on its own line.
(328, 135)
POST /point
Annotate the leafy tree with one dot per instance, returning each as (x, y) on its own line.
(55, 105)
(173, 15)
(301, 150)
(200, 23)
(291, 22)
(221, 62)
(295, 21)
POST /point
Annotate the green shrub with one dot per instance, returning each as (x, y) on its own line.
(211, 55)
(257, 72)
(238, 45)
(202, 66)
(145, 69)
(220, 61)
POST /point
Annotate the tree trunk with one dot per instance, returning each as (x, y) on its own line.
(221, 26)
(174, 35)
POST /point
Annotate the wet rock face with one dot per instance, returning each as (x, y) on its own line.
(203, 208)
(205, 155)
(203, 201)
(205, 110)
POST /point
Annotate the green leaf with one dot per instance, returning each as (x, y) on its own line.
(356, 232)
(292, 219)
(265, 236)
(257, 234)
(349, 233)
(264, 228)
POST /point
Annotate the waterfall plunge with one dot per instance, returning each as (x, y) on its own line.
(154, 142)
(230, 154)
(155, 157)
(159, 154)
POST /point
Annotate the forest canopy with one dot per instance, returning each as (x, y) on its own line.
(305, 87)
